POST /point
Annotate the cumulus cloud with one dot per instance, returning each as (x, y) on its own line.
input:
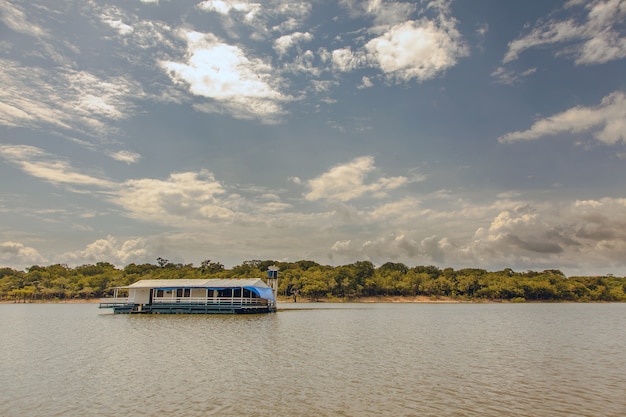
(13, 253)
(607, 122)
(304, 62)
(346, 182)
(264, 19)
(113, 250)
(190, 195)
(516, 231)
(590, 231)
(416, 49)
(224, 7)
(576, 236)
(401, 211)
(596, 39)
(366, 82)
(395, 246)
(286, 42)
(117, 24)
(404, 49)
(245, 87)
(344, 59)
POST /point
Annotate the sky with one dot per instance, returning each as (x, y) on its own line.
(487, 134)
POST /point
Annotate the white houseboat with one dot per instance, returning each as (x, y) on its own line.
(195, 296)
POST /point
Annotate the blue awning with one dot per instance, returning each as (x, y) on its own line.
(263, 292)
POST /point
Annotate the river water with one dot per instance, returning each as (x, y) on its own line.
(316, 360)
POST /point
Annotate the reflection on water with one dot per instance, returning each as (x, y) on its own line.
(316, 359)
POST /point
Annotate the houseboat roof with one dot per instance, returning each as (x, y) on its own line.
(257, 285)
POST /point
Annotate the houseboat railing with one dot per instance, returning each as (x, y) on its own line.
(112, 302)
(115, 301)
(209, 300)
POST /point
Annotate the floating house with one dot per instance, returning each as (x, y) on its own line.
(195, 296)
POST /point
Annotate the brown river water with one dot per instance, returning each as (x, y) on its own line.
(316, 360)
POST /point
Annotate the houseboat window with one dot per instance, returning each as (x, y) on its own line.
(246, 293)
(228, 292)
(187, 292)
(237, 292)
(179, 292)
(159, 293)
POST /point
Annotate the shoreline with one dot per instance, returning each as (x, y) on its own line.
(289, 300)
(419, 299)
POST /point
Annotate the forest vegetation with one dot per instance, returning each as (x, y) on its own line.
(313, 281)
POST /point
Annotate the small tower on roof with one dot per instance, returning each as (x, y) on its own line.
(272, 278)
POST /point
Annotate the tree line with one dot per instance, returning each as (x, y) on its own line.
(314, 281)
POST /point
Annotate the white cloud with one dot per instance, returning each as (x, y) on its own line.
(416, 49)
(598, 39)
(284, 43)
(607, 121)
(366, 82)
(345, 60)
(293, 12)
(403, 210)
(188, 199)
(384, 12)
(185, 195)
(42, 165)
(249, 9)
(238, 17)
(125, 156)
(304, 63)
(509, 77)
(15, 18)
(404, 49)
(64, 99)
(13, 253)
(346, 182)
(137, 33)
(117, 24)
(395, 246)
(245, 87)
(111, 250)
